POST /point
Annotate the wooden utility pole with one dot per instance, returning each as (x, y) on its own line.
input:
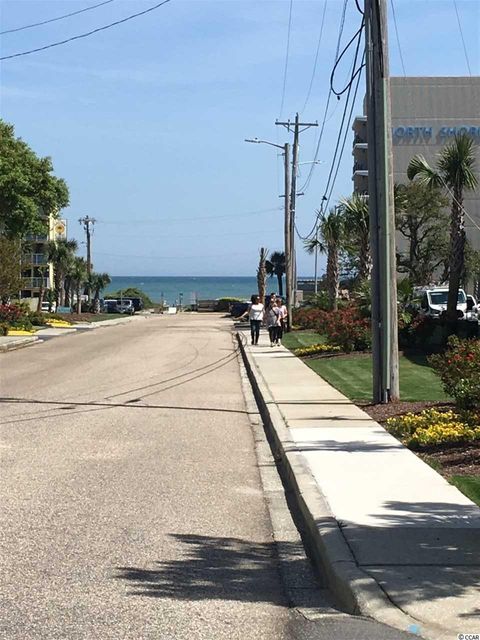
(291, 291)
(381, 206)
(86, 221)
(287, 234)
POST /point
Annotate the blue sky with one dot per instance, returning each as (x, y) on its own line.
(146, 121)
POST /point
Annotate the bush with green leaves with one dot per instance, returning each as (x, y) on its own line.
(459, 371)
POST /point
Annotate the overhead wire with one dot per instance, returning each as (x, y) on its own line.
(63, 17)
(191, 219)
(463, 39)
(319, 42)
(87, 34)
(341, 25)
(287, 55)
(343, 130)
(394, 14)
(325, 201)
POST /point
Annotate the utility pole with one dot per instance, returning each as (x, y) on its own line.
(287, 222)
(288, 236)
(86, 221)
(292, 277)
(381, 206)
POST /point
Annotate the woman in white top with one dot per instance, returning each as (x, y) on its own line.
(255, 313)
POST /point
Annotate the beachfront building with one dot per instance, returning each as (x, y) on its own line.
(426, 115)
(37, 271)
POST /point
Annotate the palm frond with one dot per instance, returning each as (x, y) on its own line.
(419, 168)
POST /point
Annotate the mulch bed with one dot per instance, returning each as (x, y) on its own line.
(455, 459)
(381, 412)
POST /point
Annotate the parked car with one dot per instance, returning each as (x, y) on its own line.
(125, 306)
(137, 303)
(433, 301)
(109, 306)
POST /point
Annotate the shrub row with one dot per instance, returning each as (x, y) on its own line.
(459, 371)
(315, 349)
(434, 427)
(345, 328)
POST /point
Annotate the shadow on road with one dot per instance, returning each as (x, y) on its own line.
(211, 568)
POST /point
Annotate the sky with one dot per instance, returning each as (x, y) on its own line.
(146, 121)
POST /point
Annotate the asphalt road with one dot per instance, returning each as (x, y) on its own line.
(131, 503)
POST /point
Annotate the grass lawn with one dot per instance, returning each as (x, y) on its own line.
(352, 376)
(469, 485)
(298, 339)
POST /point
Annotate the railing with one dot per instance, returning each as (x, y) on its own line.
(34, 258)
(359, 140)
(36, 237)
(35, 283)
(358, 166)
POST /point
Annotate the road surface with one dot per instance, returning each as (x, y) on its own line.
(131, 500)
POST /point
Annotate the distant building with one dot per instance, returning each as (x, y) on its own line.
(426, 114)
(35, 265)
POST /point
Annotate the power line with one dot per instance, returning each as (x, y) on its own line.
(314, 70)
(180, 220)
(330, 186)
(287, 54)
(67, 15)
(324, 120)
(397, 36)
(85, 35)
(357, 34)
(463, 39)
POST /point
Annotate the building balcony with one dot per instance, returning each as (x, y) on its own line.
(36, 237)
(360, 145)
(360, 169)
(35, 283)
(34, 258)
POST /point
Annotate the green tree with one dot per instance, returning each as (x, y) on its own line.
(78, 274)
(28, 190)
(275, 266)
(455, 172)
(331, 228)
(357, 234)
(98, 282)
(421, 219)
(10, 269)
(62, 254)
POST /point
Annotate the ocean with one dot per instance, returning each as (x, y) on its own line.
(203, 288)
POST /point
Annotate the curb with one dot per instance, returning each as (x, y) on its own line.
(21, 343)
(354, 590)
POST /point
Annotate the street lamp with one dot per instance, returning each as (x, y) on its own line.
(288, 230)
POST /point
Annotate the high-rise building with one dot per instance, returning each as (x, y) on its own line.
(35, 265)
(426, 115)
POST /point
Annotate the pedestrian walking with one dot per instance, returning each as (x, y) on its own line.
(282, 321)
(272, 321)
(255, 313)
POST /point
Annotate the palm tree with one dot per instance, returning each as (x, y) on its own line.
(454, 172)
(357, 227)
(78, 274)
(331, 232)
(275, 266)
(262, 274)
(98, 282)
(61, 254)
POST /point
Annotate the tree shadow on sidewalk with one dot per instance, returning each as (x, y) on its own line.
(211, 568)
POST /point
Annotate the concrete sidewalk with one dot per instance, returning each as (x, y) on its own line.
(393, 538)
